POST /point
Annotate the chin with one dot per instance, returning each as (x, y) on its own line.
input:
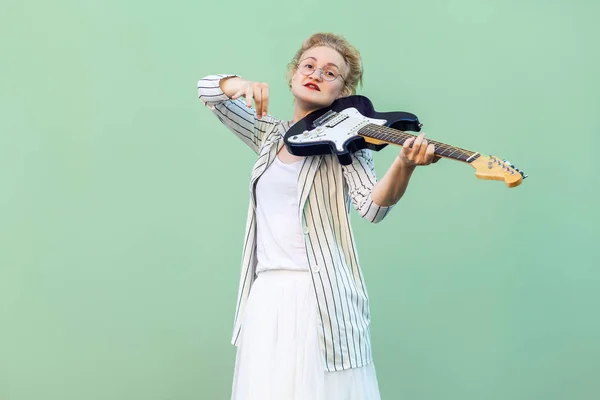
(312, 101)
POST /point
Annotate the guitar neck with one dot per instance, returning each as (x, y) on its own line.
(384, 134)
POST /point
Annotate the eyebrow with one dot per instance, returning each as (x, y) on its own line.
(317, 60)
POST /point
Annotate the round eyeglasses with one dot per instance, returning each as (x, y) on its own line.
(328, 73)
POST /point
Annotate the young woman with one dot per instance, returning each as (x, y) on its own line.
(302, 316)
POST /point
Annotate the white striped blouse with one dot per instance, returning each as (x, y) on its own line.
(326, 188)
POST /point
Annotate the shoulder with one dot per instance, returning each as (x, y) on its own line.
(277, 128)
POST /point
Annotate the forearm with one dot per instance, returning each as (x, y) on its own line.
(210, 91)
(233, 113)
(391, 187)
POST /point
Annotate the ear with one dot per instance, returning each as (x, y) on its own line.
(291, 74)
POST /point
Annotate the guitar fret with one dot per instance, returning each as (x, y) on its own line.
(398, 137)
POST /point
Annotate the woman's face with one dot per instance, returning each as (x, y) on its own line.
(314, 90)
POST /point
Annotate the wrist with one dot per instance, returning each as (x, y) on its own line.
(405, 165)
(231, 85)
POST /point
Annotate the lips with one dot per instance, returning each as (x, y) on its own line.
(312, 86)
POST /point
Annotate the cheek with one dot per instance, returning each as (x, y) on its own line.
(295, 78)
(339, 91)
(295, 82)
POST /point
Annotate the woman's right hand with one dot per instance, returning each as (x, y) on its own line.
(250, 90)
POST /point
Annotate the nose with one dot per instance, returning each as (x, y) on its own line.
(319, 75)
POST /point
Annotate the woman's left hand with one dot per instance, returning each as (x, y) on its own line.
(421, 153)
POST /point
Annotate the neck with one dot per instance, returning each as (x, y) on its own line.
(302, 109)
(398, 137)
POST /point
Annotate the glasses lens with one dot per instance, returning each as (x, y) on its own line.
(307, 68)
(328, 74)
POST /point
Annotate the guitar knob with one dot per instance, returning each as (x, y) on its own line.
(305, 133)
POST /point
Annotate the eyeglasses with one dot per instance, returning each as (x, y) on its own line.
(329, 73)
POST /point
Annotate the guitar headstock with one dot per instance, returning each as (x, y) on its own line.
(490, 167)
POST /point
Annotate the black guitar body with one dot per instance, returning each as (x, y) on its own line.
(403, 121)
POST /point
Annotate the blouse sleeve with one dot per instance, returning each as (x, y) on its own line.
(361, 178)
(234, 114)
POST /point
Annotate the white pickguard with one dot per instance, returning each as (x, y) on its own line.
(338, 134)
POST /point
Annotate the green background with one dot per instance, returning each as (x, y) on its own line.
(123, 200)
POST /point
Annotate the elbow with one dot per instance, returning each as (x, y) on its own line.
(373, 220)
(373, 212)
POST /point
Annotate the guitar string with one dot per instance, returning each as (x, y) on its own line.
(387, 133)
(396, 133)
(390, 132)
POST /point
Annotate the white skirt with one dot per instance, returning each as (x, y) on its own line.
(278, 355)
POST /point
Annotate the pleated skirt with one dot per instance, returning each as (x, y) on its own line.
(279, 357)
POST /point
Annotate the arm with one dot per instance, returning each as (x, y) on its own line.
(391, 187)
(372, 199)
(361, 180)
(216, 92)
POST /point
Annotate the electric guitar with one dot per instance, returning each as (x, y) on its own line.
(351, 124)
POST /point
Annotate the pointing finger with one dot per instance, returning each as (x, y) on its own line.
(258, 99)
(265, 96)
(249, 95)
(407, 143)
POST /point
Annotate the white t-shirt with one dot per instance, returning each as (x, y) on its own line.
(280, 241)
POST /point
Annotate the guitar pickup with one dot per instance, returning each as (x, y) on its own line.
(323, 118)
(336, 120)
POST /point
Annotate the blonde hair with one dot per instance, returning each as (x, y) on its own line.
(338, 43)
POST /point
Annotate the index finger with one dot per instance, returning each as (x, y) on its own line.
(249, 95)
(265, 98)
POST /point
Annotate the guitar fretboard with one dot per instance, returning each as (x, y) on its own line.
(398, 137)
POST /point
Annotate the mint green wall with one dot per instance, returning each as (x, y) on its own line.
(123, 200)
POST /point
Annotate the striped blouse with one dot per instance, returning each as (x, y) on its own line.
(326, 189)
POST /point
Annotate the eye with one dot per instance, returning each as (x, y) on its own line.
(308, 66)
(330, 73)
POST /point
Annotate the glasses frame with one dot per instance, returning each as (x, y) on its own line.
(321, 73)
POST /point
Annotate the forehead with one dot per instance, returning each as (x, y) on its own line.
(325, 55)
